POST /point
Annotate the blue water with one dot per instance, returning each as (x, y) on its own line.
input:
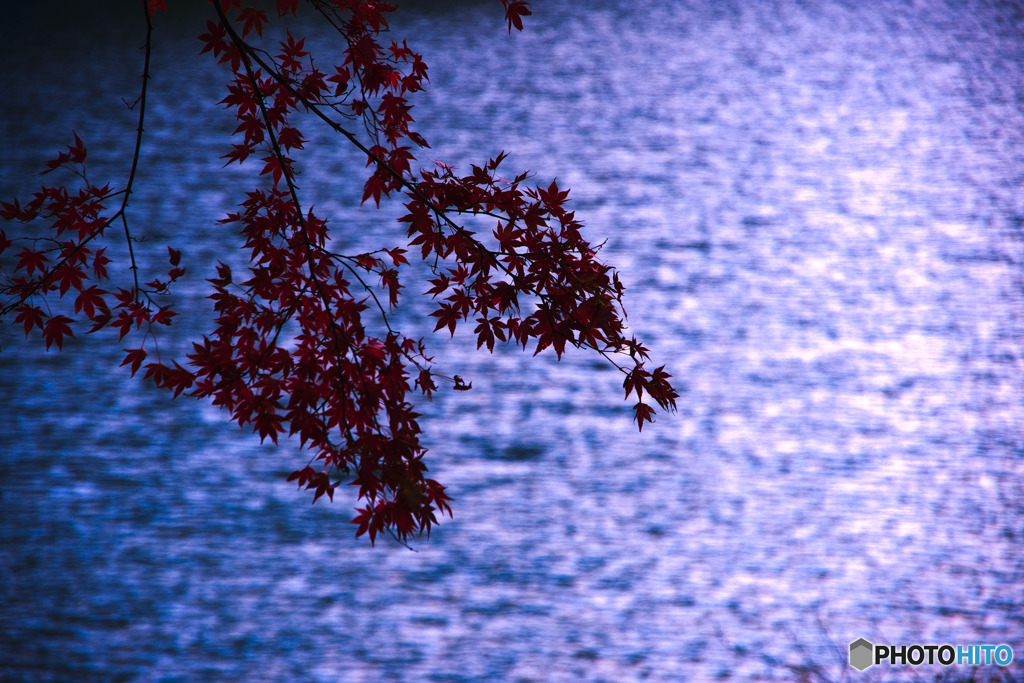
(816, 207)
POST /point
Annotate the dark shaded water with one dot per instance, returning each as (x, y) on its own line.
(817, 207)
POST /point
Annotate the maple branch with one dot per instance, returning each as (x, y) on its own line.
(126, 192)
(247, 51)
(122, 212)
(247, 54)
(383, 314)
(345, 387)
(404, 182)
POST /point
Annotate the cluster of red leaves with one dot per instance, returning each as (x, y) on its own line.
(290, 351)
(58, 258)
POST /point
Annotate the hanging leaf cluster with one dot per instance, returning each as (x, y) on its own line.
(292, 350)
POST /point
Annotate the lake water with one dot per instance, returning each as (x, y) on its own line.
(817, 209)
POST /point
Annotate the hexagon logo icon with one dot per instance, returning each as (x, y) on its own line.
(862, 653)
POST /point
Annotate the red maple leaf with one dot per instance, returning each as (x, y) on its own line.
(446, 317)
(135, 357)
(90, 300)
(515, 10)
(55, 329)
(31, 316)
(643, 412)
(31, 261)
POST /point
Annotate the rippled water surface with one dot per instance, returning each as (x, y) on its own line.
(817, 208)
